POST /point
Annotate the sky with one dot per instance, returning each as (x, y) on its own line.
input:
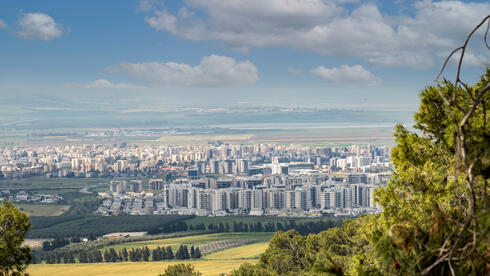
(318, 53)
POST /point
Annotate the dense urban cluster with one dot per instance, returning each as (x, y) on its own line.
(257, 180)
(121, 160)
(216, 179)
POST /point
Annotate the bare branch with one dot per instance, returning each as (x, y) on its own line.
(445, 63)
(452, 250)
(475, 105)
(485, 37)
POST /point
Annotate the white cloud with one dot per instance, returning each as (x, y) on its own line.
(38, 26)
(2, 24)
(212, 71)
(149, 5)
(185, 24)
(355, 74)
(328, 27)
(104, 84)
(294, 70)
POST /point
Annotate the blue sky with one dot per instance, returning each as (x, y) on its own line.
(360, 54)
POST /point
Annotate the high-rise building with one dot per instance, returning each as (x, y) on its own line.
(213, 166)
(242, 166)
(118, 186)
(135, 186)
(245, 199)
(257, 199)
(290, 200)
(219, 200)
(156, 184)
(204, 200)
(300, 199)
(275, 199)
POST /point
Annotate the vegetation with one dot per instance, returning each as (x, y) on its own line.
(262, 224)
(70, 226)
(61, 247)
(435, 208)
(74, 223)
(143, 254)
(83, 206)
(14, 225)
(181, 270)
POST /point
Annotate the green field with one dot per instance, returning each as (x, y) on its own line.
(197, 240)
(43, 209)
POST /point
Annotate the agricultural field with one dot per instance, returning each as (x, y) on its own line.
(212, 264)
(198, 240)
(206, 267)
(249, 251)
(43, 209)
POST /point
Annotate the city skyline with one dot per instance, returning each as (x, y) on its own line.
(210, 180)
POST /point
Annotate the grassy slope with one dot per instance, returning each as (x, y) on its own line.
(43, 209)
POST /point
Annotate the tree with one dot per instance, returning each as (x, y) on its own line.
(114, 257)
(156, 254)
(182, 253)
(146, 254)
(435, 218)
(50, 258)
(195, 253)
(169, 253)
(82, 257)
(47, 246)
(124, 254)
(57, 257)
(107, 256)
(68, 258)
(180, 270)
(14, 258)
